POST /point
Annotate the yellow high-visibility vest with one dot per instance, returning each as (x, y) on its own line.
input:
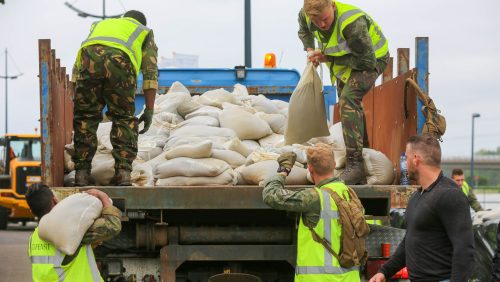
(46, 263)
(126, 34)
(465, 188)
(336, 45)
(314, 262)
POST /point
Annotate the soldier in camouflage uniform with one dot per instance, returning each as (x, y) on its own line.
(307, 203)
(364, 58)
(106, 75)
(457, 175)
(41, 200)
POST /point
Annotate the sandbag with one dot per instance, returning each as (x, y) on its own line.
(245, 124)
(176, 95)
(306, 113)
(143, 172)
(299, 150)
(65, 225)
(258, 172)
(235, 145)
(103, 133)
(277, 122)
(378, 167)
(202, 131)
(244, 107)
(188, 106)
(217, 141)
(273, 140)
(200, 120)
(228, 177)
(194, 151)
(259, 156)
(262, 104)
(148, 153)
(234, 159)
(205, 111)
(280, 104)
(252, 145)
(338, 145)
(240, 90)
(103, 168)
(190, 167)
(69, 165)
(216, 97)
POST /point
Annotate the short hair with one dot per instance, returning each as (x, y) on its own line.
(457, 171)
(321, 158)
(315, 7)
(39, 198)
(428, 146)
(139, 16)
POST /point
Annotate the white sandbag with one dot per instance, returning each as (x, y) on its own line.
(103, 136)
(205, 111)
(234, 159)
(143, 172)
(273, 140)
(252, 145)
(299, 150)
(202, 131)
(338, 145)
(240, 90)
(195, 151)
(190, 167)
(245, 124)
(216, 97)
(277, 122)
(306, 113)
(65, 225)
(240, 180)
(166, 117)
(378, 167)
(148, 153)
(258, 172)
(103, 168)
(259, 156)
(175, 96)
(280, 104)
(244, 107)
(235, 145)
(69, 165)
(217, 141)
(188, 106)
(200, 120)
(262, 104)
(228, 177)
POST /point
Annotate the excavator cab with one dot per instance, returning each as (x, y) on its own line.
(19, 168)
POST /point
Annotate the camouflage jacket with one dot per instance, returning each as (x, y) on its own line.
(105, 227)
(473, 202)
(149, 65)
(358, 39)
(305, 201)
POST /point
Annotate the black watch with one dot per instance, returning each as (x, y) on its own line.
(284, 169)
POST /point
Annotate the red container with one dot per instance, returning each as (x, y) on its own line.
(385, 250)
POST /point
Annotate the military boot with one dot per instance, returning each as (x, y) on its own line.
(122, 177)
(82, 177)
(354, 173)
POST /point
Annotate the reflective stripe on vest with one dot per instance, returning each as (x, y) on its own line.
(127, 46)
(327, 216)
(337, 45)
(465, 188)
(55, 261)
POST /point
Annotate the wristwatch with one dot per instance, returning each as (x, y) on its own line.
(284, 169)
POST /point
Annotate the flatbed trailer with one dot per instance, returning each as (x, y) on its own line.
(192, 233)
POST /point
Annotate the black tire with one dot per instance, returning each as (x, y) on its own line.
(4, 218)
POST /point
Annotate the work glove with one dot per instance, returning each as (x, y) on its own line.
(286, 162)
(147, 118)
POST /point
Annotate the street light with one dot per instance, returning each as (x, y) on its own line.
(7, 77)
(474, 115)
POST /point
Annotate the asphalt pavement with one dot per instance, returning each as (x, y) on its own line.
(15, 265)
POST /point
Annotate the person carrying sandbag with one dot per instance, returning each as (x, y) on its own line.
(356, 52)
(50, 263)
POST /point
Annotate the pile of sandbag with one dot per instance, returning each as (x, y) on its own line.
(217, 138)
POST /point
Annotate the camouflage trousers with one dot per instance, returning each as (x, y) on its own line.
(351, 95)
(105, 78)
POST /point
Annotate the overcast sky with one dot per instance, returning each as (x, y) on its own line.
(464, 48)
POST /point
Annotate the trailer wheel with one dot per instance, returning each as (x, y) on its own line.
(4, 218)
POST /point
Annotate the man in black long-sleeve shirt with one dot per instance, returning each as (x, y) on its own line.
(438, 245)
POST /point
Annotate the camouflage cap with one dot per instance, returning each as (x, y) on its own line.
(321, 158)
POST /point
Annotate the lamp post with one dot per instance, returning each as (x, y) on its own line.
(7, 77)
(474, 115)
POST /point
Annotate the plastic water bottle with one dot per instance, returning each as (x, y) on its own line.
(404, 180)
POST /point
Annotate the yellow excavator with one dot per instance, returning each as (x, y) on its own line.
(19, 168)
